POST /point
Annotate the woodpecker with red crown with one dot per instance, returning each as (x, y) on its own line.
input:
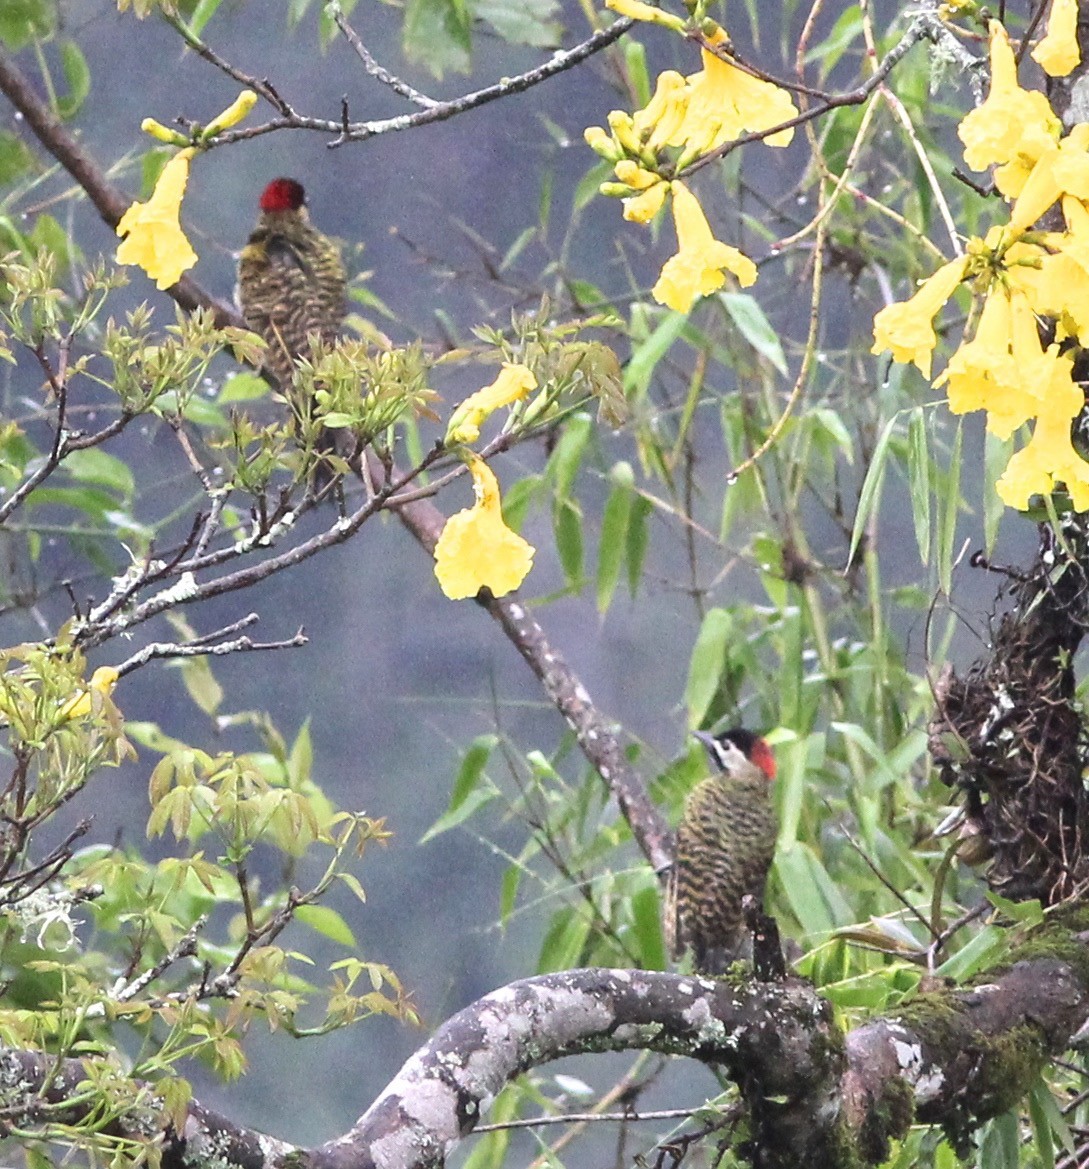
(725, 846)
(291, 282)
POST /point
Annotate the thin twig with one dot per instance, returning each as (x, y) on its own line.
(587, 1118)
(372, 66)
(201, 648)
(360, 131)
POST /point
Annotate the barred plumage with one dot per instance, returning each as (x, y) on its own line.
(725, 846)
(291, 281)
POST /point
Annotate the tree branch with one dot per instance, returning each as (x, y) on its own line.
(815, 1096)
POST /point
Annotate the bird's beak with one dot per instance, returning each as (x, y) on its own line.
(706, 739)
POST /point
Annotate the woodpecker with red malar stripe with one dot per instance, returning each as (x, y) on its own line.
(725, 846)
(291, 283)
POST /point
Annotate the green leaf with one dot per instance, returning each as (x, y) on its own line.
(1001, 1144)
(436, 33)
(796, 761)
(517, 499)
(352, 882)
(515, 250)
(47, 233)
(528, 22)
(92, 502)
(813, 896)
(94, 465)
(705, 667)
(16, 158)
(1026, 913)
(508, 892)
(614, 533)
(587, 189)
(567, 528)
(638, 540)
(646, 355)
(78, 76)
(1048, 1120)
(197, 409)
(883, 774)
(950, 506)
(565, 941)
(242, 387)
(472, 787)
(201, 684)
(203, 13)
(564, 463)
(918, 463)
(326, 922)
(754, 326)
(982, 951)
(635, 62)
(647, 916)
(870, 494)
(22, 21)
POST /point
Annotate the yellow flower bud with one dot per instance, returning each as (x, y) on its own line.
(163, 133)
(601, 143)
(232, 115)
(638, 10)
(643, 207)
(624, 131)
(634, 175)
(514, 383)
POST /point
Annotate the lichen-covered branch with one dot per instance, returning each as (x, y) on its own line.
(815, 1096)
(776, 1039)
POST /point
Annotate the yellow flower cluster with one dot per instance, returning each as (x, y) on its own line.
(687, 118)
(152, 236)
(1022, 275)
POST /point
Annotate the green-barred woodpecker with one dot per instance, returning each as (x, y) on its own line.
(725, 846)
(291, 281)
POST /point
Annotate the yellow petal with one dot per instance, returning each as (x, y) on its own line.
(637, 10)
(476, 549)
(907, 328)
(102, 681)
(701, 262)
(154, 239)
(1057, 54)
(1013, 125)
(725, 102)
(642, 208)
(514, 383)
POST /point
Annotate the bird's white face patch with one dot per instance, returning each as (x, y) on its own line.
(728, 755)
